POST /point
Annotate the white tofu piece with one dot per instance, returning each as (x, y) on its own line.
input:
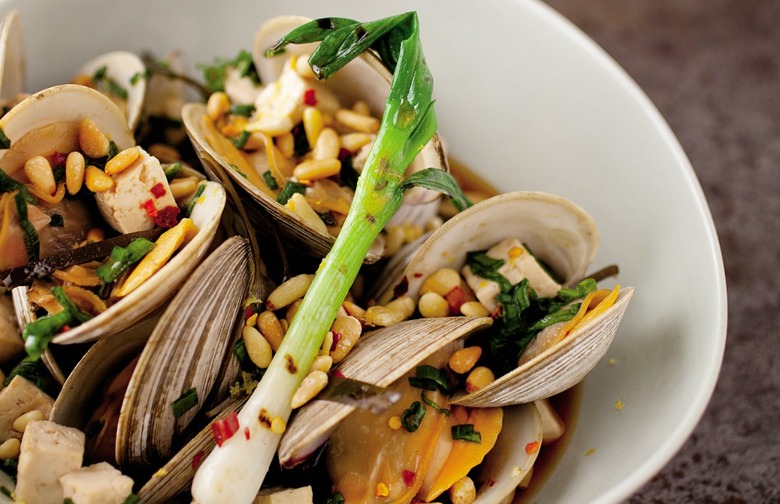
(279, 106)
(552, 425)
(11, 344)
(302, 495)
(19, 397)
(123, 205)
(96, 484)
(518, 264)
(48, 452)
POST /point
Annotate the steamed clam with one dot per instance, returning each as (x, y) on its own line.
(290, 142)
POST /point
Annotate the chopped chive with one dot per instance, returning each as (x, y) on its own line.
(289, 189)
(238, 170)
(270, 181)
(242, 110)
(140, 75)
(101, 79)
(32, 242)
(172, 170)
(241, 139)
(336, 498)
(122, 258)
(5, 142)
(132, 499)
(466, 432)
(68, 500)
(69, 305)
(113, 150)
(434, 405)
(412, 417)
(429, 378)
(194, 200)
(185, 402)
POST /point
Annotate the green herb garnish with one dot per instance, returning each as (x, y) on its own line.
(487, 267)
(185, 402)
(441, 181)
(172, 170)
(270, 181)
(32, 242)
(413, 416)
(5, 142)
(242, 110)
(288, 190)
(336, 498)
(122, 258)
(193, 200)
(241, 139)
(429, 378)
(131, 499)
(102, 81)
(466, 432)
(214, 75)
(36, 373)
(434, 404)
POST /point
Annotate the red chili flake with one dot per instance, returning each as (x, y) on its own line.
(402, 288)
(310, 97)
(337, 373)
(225, 428)
(418, 275)
(249, 312)
(246, 433)
(151, 210)
(532, 447)
(496, 313)
(344, 154)
(455, 298)
(490, 483)
(59, 159)
(197, 459)
(158, 190)
(65, 328)
(336, 339)
(408, 478)
(167, 217)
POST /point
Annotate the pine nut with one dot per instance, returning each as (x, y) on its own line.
(463, 491)
(441, 282)
(327, 343)
(289, 291)
(382, 316)
(252, 320)
(257, 347)
(289, 315)
(91, 140)
(463, 360)
(316, 169)
(322, 363)
(74, 172)
(358, 122)
(310, 387)
(97, 180)
(302, 67)
(298, 205)
(286, 144)
(354, 141)
(183, 188)
(164, 153)
(348, 330)
(39, 171)
(479, 378)
(394, 240)
(218, 105)
(312, 124)
(432, 304)
(354, 310)
(123, 160)
(403, 304)
(474, 309)
(327, 146)
(271, 328)
(361, 107)
(10, 449)
(24, 419)
(412, 232)
(270, 125)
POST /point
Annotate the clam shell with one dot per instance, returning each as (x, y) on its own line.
(25, 315)
(404, 345)
(121, 66)
(185, 351)
(12, 58)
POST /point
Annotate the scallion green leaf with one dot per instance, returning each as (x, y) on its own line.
(441, 181)
(466, 432)
(288, 190)
(194, 200)
(413, 416)
(429, 378)
(32, 242)
(185, 402)
(270, 181)
(122, 258)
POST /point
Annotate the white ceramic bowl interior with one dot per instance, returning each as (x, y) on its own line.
(530, 103)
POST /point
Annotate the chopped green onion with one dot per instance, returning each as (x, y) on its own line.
(67, 304)
(487, 267)
(67, 500)
(441, 181)
(241, 139)
(434, 405)
(562, 315)
(185, 402)
(429, 378)
(5, 142)
(172, 170)
(336, 498)
(412, 417)
(32, 242)
(39, 333)
(242, 110)
(132, 499)
(113, 150)
(122, 258)
(288, 190)
(136, 77)
(466, 432)
(270, 181)
(101, 80)
(194, 200)
(238, 170)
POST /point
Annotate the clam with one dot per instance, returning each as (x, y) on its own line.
(363, 79)
(12, 76)
(49, 122)
(121, 78)
(565, 237)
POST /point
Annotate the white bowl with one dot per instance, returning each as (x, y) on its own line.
(529, 102)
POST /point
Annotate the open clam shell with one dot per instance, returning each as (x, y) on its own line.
(558, 232)
(365, 79)
(123, 68)
(406, 344)
(12, 58)
(185, 351)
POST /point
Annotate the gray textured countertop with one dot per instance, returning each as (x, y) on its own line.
(712, 67)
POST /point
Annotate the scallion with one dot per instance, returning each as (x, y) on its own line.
(413, 416)
(269, 180)
(122, 258)
(288, 190)
(185, 402)
(466, 432)
(429, 378)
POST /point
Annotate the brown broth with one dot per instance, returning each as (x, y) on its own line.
(566, 404)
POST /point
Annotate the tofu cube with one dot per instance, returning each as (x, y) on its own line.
(48, 452)
(302, 495)
(19, 397)
(96, 484)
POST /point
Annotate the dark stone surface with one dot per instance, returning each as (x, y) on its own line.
(712, 67)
